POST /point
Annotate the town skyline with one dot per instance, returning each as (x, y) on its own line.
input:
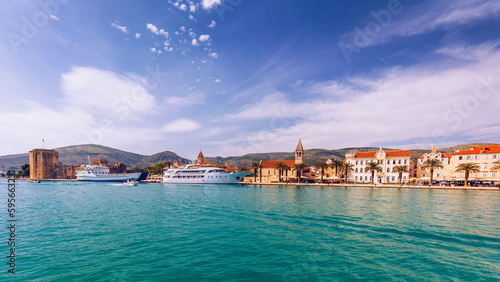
(239, 77)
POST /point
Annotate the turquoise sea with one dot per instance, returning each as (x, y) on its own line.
(154, 232)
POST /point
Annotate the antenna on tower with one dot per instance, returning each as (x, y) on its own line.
(43, 143)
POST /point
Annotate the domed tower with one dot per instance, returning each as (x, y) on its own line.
(299, 153)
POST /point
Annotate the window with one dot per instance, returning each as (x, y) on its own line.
(485, 174)
(356, 162)
(388, 162)
(476, 157)
(421, 161)
(493, 174)
(423, 175)
(438, 175)
(393, 178)
(494, 156)
(361, 170)
(476, 174)
(356, 178)
(388, 178)
(460, 158)
(394, 162)
(468, 157)
(361, 162)
(388, 169)
(485, 166)
(399, 161)
(356, 170)
(405, 161)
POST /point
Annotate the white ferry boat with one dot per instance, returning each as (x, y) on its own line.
(202, 174)
(101, 173)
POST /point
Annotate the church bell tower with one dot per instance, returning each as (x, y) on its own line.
(299, 153)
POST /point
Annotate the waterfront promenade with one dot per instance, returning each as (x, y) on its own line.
(372, 186)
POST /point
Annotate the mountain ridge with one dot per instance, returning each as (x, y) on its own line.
(79, 154)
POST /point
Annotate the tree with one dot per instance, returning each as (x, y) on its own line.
(281, 166)
(299, 168)
(260, 172)
(400, 169)
(26, 169)
(336, 164)
(254, 167)
(169, 164)
(496, 166)
(321, 166)
(432, 164)
(346, 168)
(373, 167)
(467, 168)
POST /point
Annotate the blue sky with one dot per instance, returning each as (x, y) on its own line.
(241, 76)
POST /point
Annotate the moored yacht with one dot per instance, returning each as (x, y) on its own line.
(202, 174)
(101, 173)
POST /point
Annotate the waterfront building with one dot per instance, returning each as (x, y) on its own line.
(440, 174)
(387, 160)
(271, 174)
(484, 156)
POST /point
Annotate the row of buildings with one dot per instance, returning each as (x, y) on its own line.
(484, 156)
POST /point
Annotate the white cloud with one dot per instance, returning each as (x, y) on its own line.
(137, 35)
(153, 50)
(183, 7)
(122, 28)
(181, 125)
(209, 4)
(183, 28)
(152, 28)
(194, 42)
(217, 80)
(214, 55)
(55, 18)
(192, 8)
(169, 49)
(106, 93)
(212, 24)
(191, 17)
(424, 104)
(204, 37)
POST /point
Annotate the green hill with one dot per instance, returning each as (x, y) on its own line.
(80, 154)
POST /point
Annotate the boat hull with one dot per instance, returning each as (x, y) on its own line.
(109, 178)
(219, 178)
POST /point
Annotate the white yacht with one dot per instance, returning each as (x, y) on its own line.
(202, 174)
(101, 173)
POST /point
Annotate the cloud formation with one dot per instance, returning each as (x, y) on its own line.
(121, 28)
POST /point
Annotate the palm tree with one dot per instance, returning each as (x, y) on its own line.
(299, 168)
(373, 167)
(161, 166)
(400, 169)
(336, 164)
(467, 168)
(496, 166)
(432, 164)
(321, 166)
(346, 168)
(254, 167)
(281, 166)
(169, 164)
(260, 171)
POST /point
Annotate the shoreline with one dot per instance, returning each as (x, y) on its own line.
(371, 186)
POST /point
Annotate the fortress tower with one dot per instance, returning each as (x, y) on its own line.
(201, 158)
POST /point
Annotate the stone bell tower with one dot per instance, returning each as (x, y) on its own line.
(299, 153)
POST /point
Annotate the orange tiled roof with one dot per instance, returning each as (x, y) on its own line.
(272, 164)
(480, 150)
(387, 153)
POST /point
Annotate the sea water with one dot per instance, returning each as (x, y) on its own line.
(74, 231)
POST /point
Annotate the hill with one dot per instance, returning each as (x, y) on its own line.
(80, 154)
